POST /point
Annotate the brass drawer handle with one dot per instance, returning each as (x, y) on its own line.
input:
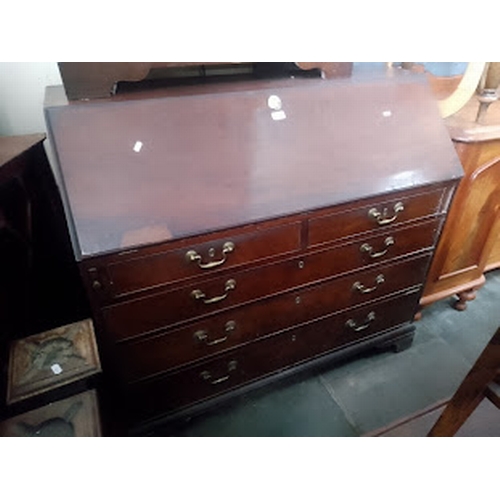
(382, 218)
(199, 295)
(361, 288)
(206, 375)
(202, 335)
(365, 247)
(350, 323)
(193, 256)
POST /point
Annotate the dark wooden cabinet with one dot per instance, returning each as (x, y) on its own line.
(40, 287)
(230, 234)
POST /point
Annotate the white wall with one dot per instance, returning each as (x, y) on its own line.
(22, 90)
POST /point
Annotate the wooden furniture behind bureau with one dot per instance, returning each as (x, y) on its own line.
(470, 244)
(231, 233)
(40, 287)
(91, 80)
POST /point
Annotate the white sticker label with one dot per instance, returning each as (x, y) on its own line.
(56, 369)
(278, 115)
(138, 146)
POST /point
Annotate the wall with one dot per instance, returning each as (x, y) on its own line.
(22, 89)
(436, 68)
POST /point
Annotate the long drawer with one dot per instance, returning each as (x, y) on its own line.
(268, 355)
(157, 311)
(151, 356)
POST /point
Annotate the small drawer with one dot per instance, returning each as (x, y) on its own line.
(255, 360)
(376, 215)
(151, 356)
(199, 258)
(159, 311)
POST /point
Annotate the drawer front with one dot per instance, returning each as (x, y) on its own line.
(268, 355)
(159, 311)
(227, 330)
(198, 259)
(374, 216)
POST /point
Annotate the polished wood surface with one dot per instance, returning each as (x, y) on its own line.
(329, 227)
(236, 161)
(366, 250)
(463, 126)
(494, 256)
(236, 327)
(139, 273)
(266, 356)
(470, 243)
(473, 389)
(152, 312)
(236, 243)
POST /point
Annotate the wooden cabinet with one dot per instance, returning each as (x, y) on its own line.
(40, 287)
(470, 244)
(90, 80)
(229, 235)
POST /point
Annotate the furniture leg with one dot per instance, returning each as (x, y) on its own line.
(463, 298)
(470, 392)
(400, 343)
(418, 314)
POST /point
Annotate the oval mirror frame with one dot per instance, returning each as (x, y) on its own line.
(464, 91)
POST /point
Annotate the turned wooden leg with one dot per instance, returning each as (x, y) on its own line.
(463, 298)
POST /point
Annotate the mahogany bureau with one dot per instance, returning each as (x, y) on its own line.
(231, 234)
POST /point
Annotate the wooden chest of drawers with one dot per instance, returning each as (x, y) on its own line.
(231, 234)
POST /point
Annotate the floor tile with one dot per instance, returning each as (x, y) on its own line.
(484, 422)
(298, 409)
(375, 391)
(423, 334)
(467, 331)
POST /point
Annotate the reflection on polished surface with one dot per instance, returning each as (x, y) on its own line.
(149, 170)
